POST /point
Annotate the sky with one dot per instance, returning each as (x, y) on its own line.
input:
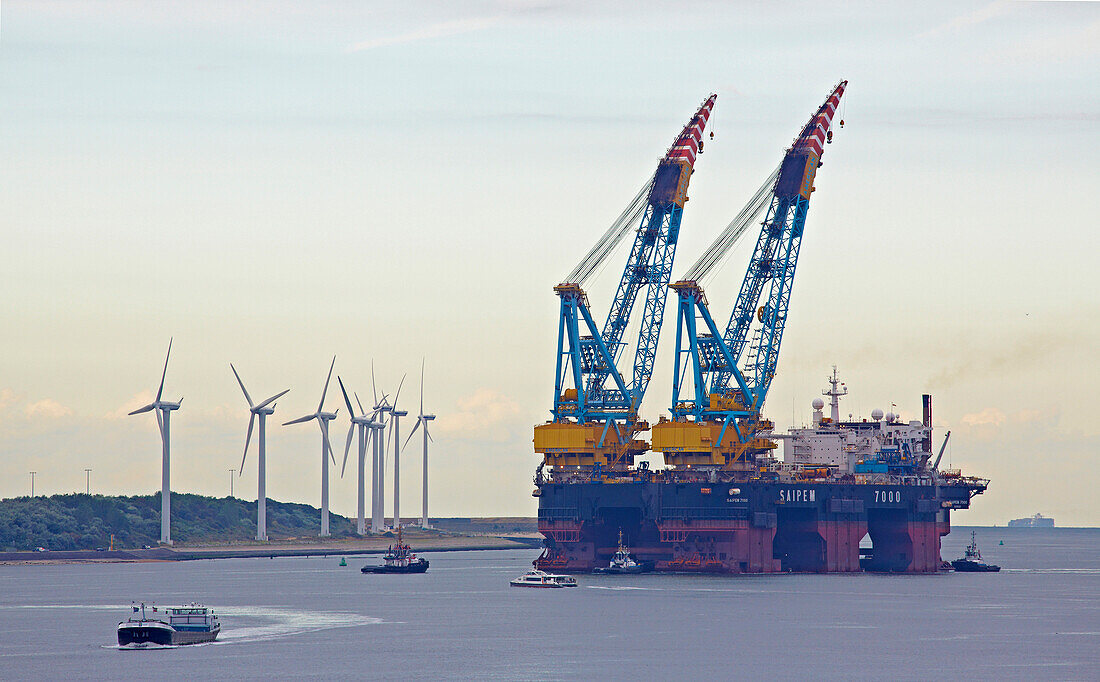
(272, 184)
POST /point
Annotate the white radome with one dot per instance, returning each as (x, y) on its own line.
(876, 414)
(890, 417)
(818, 403)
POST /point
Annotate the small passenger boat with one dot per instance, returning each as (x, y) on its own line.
(972, 559)
(537, 578)
(191, 624)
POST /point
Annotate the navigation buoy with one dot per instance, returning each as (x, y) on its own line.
(343, 561)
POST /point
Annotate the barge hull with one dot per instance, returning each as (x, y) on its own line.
(749, 527)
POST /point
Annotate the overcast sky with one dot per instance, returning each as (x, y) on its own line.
(274, 183)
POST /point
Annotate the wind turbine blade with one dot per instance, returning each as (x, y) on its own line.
(160, 425)
(429, 433)
(299, 420)
(372, 388)
(351, 410)
(398, 394)
(421, 385)
(271, 399)
(142, 409)
(359, 404)
(247, 439)
(414, 428)
(321, 405)
(243, 389)
(165, 372)
(347, 447)
(324, 436)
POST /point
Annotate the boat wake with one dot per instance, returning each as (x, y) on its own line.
(259, 623)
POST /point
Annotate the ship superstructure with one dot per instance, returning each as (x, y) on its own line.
(724, 502)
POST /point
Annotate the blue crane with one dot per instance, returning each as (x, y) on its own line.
(729, 383)
(588, 357)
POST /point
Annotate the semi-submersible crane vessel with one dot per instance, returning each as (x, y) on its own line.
(723, 502)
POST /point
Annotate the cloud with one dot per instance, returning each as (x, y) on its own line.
(438, 30)
(1024, 353)
(990, 416)
(1079, 42)
(978, 16)
(486, 414)
(47, 408)
(7, 397)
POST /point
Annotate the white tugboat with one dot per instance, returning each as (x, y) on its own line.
(190, 624)
(621, 563)
(537, 578)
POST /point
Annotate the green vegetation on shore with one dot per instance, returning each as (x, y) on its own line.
(77, 521)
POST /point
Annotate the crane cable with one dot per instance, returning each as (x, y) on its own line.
(721, 246)
(603, 247)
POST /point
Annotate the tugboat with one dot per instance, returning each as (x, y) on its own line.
(972, 560)
(537, 578)
(399, 559)
(621, 563)
(191, 624)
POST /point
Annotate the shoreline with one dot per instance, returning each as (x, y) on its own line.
(277, 548)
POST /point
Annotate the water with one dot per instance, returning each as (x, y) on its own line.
(308, 617)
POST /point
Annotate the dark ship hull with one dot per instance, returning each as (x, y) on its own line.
(689, 524)
(969, 566)
(418, 566)
(155, 632)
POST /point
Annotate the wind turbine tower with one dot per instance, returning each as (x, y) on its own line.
(261, 411)
(163, 410)
(359, 423)
(423, 419)
(378, 442)
(395, 425)
(378, 492)
(323, 418)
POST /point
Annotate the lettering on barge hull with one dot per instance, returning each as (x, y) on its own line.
(798, 495)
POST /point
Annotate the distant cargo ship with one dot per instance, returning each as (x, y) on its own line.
(1037, 521)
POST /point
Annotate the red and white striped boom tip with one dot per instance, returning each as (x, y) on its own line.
(817, 131)
(691, 139)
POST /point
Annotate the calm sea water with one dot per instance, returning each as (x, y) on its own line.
(307, 617)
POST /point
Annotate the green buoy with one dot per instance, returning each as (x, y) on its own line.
(1002, 542)
(344, 562)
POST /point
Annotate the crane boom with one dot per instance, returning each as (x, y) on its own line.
(588, 358)
(651, 257)
(776, 254)
(728, 391)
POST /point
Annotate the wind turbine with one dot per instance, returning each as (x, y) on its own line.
(163, 411)
(395, 433)
(261, 411)
(378, 493)
(361, 423)
(323, 418)
(422, 419)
